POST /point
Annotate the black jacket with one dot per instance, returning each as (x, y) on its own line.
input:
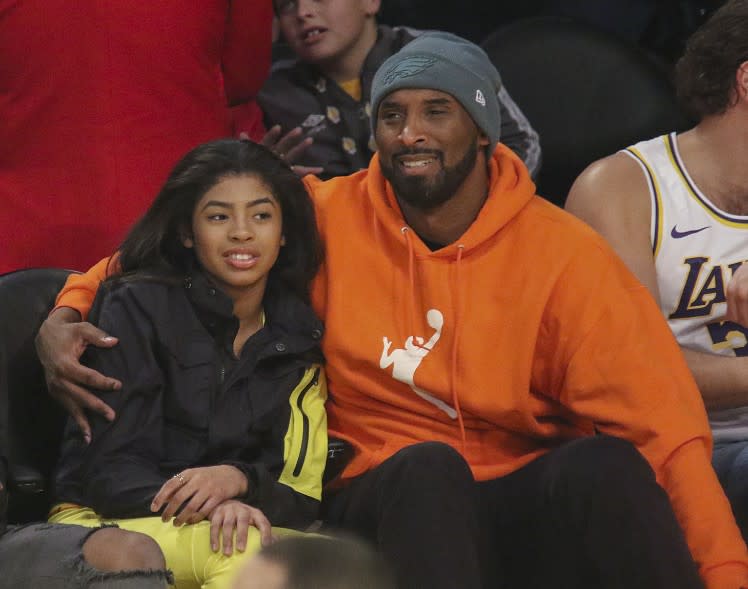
(187, 402)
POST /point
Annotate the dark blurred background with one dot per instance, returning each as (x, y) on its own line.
(658, 26)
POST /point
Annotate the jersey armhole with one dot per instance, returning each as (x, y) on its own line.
(655, 225)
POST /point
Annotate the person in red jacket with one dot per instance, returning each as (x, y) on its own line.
(98, 101)
(520, 413)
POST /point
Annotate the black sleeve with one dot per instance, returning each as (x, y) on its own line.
(517, 133)
(121, 471)
(291, 497)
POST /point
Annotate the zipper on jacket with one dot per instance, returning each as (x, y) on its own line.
(305, 423)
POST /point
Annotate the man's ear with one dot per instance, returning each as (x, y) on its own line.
(371, 7)
(483, 140)
(283, 240)
(741, 82)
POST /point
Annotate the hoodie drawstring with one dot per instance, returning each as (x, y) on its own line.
(411, 278)
(411, 320)
(453, 366)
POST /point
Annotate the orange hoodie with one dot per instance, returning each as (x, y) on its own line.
(525, 332)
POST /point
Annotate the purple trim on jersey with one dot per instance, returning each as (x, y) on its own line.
(694, 190)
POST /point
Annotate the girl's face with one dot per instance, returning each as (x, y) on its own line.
(237, 233)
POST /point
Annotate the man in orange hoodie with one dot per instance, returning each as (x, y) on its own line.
(515, 401)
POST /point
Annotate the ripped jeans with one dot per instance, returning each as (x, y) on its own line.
(50, 556)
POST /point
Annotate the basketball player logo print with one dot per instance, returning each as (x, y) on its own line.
(407, 359)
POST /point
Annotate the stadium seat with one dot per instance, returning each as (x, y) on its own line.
(586, 92)
(30, 420)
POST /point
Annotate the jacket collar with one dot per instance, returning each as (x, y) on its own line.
(288, 320)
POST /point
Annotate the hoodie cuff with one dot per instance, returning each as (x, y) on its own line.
(730, 575)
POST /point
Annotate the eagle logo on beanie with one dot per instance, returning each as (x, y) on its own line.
(411, 66)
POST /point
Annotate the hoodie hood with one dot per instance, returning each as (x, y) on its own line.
(510, 189)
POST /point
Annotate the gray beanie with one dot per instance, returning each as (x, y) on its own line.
(445, 62)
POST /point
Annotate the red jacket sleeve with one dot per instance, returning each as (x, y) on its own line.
(246, 52)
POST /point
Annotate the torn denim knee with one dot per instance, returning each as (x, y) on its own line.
(89, 577)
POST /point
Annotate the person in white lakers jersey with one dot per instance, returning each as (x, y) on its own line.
(675, 208)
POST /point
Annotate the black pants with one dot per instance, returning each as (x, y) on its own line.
(587, 514)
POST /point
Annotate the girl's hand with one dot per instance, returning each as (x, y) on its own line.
(234, 515)
(198, 491)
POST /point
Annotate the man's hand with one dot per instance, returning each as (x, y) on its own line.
(198, 491)
(289, 147)
(60, 343)
(234, 515)
(737, 297)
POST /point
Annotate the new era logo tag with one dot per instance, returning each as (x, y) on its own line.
(479, 98)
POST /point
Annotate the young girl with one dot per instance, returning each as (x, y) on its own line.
(220, 428)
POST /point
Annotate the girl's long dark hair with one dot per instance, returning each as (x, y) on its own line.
(154, 247)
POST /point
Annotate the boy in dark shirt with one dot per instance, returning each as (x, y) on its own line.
(325, 90)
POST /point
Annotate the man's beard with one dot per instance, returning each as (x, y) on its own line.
(428, 193)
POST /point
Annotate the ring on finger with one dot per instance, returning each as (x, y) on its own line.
(180, 477)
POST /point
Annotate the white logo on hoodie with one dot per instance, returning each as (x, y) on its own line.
(407, 360)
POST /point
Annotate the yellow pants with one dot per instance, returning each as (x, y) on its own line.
(186, 548)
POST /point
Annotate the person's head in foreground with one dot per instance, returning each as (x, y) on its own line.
(715, 62)
(238, 211)
(315, 562)
(435, 117)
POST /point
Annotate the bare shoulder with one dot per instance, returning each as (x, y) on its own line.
(614, 186)
(612, 196)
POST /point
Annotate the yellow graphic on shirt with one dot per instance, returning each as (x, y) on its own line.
(349, 145)
(333, 114)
